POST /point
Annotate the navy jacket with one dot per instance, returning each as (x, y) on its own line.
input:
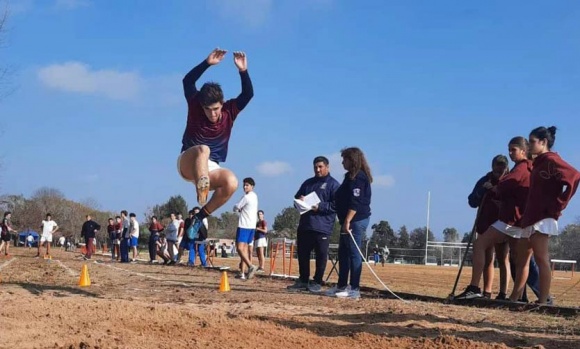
(88, 229)
(321, 221)
(354, 194)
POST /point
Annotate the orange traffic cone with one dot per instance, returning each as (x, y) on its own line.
(224, 283)
(85, 280)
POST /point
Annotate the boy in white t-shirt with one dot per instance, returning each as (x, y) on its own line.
(248, 209)
(48, 227)
(134, 231)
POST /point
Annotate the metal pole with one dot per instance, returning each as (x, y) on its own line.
(427, 231)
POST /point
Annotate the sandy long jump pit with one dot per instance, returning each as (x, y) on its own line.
(154, 306)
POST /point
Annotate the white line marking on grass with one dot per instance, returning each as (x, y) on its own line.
(145, 275)
(69, 270)
(5, 264)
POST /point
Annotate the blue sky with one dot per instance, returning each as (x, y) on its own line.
(430, 90)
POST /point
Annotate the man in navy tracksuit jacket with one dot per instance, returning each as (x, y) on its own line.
(316, 225)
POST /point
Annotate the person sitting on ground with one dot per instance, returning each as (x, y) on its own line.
(162, 249)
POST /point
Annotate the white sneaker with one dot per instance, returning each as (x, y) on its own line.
(334, 290)
(348, 293)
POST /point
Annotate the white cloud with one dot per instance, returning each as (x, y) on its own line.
(274, 168)
(72, 4)
(251, 12)
(384, 181)
(80, 78)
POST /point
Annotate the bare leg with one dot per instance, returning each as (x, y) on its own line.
(523, 255)
(193, 166)
(250, 253)
(260, 251)
(48, 248)
(482, 245)
(243, 252)
(539, 243)
(502, 255)
(488, 270)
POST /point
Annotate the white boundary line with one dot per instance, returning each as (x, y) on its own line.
(5, 264)
(69, 270)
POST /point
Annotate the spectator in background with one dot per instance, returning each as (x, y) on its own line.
(112, 235)
(125, 238)
(118, 237)
(171, 232)
(5, 235)
(155, 228)
(88, 231)
(260, 239)
(134, 228)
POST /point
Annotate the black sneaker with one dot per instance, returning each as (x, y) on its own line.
(298, 286)
(470, 292)
(501, 297)
(486, 295)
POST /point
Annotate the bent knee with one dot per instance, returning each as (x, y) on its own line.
(231, 183)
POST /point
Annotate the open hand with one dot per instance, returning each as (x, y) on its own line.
(240, 60)
(216, 56)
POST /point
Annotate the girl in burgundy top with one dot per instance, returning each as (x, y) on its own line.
(486, 199)
(511, 192)
(553, 182)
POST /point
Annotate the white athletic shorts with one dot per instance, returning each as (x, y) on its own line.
(46, 237)
(548, 226)
(509, 230)
(261, 242)
(211, 166)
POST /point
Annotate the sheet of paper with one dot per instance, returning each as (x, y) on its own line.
(306, 204)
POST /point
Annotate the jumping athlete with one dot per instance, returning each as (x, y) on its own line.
(209, 125)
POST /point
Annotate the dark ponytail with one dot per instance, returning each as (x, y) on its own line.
(549, 134)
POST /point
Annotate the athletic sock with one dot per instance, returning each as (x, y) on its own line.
(203, 213)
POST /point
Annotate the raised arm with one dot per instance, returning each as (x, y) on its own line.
(247, 93)
(194, 74)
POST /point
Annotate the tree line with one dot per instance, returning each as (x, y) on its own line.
(70, 215)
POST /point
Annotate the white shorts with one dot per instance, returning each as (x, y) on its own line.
(547, 226)
(509, 230)
(46, 237)
(211, 166)
(261, 242)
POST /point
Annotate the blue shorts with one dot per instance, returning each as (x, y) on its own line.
(245, 236)
(133, 242)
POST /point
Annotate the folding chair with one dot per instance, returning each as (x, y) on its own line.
(333, 257)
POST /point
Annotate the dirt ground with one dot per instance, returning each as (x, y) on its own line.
(154, 306)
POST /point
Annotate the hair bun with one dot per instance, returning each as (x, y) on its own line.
(552, 130)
